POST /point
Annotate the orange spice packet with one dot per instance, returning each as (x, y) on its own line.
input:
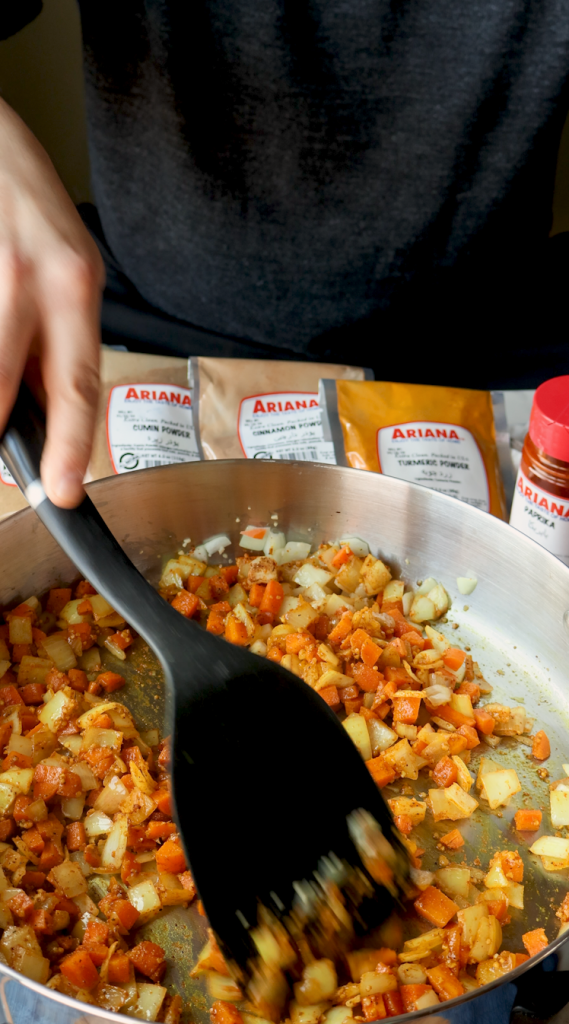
(443, 438)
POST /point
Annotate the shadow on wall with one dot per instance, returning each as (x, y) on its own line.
(41, 77)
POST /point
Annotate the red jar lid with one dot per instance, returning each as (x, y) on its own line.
(549, 420)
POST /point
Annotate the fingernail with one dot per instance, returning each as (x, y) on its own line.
(67, 488)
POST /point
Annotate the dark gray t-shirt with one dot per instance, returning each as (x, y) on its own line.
(345, 178)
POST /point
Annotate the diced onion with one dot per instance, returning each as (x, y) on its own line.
(437, 694)
(356, 545)
(98, 824)
(216, 545)
(57, 648)
(115, 845)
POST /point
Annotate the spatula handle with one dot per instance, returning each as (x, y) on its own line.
(81, 531)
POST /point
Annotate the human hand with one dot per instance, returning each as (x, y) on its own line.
(51, 279)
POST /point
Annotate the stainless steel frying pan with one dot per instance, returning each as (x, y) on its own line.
(516, 622)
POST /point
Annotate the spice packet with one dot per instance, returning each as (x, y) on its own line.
(444, 438)
(263, 409)
(145, 415)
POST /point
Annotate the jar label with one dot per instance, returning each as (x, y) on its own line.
(283, 425)
(542, 516)
(442, 456)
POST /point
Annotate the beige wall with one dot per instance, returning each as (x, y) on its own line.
(40, 76)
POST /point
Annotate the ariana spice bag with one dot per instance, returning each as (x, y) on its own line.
(262, 409)
(443, 438)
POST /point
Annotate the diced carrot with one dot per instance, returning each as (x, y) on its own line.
(160, 829)
(470, 735)
(78, 680)
(274, 654)
(398, 676)
(370, 652)
(381, 773)
(84, 588)
(33, 879)
(498, 908)
(149, 959)
(57, 599)
(163, 801)
(68, 906)
(445, 772)
(193, 583)
(56, 680)
(83, 632)
(186, 603)
(230, 573)
(406, 709)
(110, 681)
(85, 608)
(7, 829)
(341, 557)
(170, 857)
(484, 722)
(525, 821)
(20, 807)
(119, 969)
(453, 716)
(32, 693)
(15, 760)
(434, 906)
(80, 970)
(512, 864)
(404, 823)
(76, 837)
(236, 631)
(34, 841)
(296, 642)
(21, 905)
(201, 909)
(374, 1007)
(341, 629)
(367, 678)
(256, 594)
(138, 840)
(98, 953)
(353, 707)
(50, 828)
(50, 857)
(453, 840)
(472, 690)
(410, 994)
(521, 958)
(453, 658)
(96, 932)
(393, 1003)
(126, 913)
(368, 714)
(401, 624)
(535, 941)
(47, 779)
(122, 639)
(9, 694)
(272, 598)
(445, 982)
(224, 1013)
(540, 747)
(330, 695)
(5, 733)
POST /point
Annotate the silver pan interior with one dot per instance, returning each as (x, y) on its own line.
(515, 621)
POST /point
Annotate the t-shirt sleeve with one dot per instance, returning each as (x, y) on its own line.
(14, 16)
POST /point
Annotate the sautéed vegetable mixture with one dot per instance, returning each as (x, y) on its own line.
(88, 848)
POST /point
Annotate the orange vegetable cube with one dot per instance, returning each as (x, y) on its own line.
(470, 735)
(453, 840)
(454, 717)
(453, 658)
(393, 1003)
(170, 857)
(110, 681)
(406, 709)
(374, 1007)
(535, 941)
(541, 748)
(472, 690)
(236, 632)
(186, 603)
(341, 629)
(57, 599)
(410, 994)
(368, 679)
(119, 969)
(484, 722)
(525, 821)
(435, 907)
(445, 772)
(272, 598)
(149, 959)
(80, 970)
(224, 1013)
(444, 982)
(330, 695)
(381, 773)
(256, 595)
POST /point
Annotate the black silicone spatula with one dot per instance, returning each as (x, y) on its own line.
(268, 787)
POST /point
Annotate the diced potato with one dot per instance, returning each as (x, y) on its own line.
(559, 801)
(496, 877)
(149, 1002)
(515, 894)
(464, 779)
(553, 864)
(301, 616)
(440, 599)
(427, 999)
(422, 609)
(333, 678)
(404, 760)
(380, 735)
(499, 786)
(237, 595)
(485, 767)
(335, 603)
(454, 880)
(496, 967)
(470, 919)
(33, 670)
(309, 574)
(374, 984)
(357, 729)
(172, 893)
(115, 845)
(425, 944)
(70, 615)
(551, 846)
(19, 779)
(461, 702)
(318, 983)
(488, 939)
(451, 803)
(220, 986)
(393, 591)
(20, 630)
(337, 1015)
(439, 642)
(145, 898)
(350, 575)
(306, 1014)
(57, 712)
(414, 809)
(31, 965)
(515, 725)
(68, 879)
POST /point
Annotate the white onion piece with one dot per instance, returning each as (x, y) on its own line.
(437, 694)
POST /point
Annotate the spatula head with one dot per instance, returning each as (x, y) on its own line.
(270, 794)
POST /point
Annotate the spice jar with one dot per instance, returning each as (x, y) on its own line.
(540, 508)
